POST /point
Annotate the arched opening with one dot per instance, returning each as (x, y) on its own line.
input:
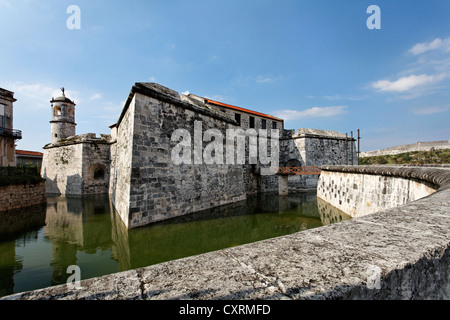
(96, 172)
(294, 182)
(58, 111)
(293, 163)
(96, 179)
(99, 173)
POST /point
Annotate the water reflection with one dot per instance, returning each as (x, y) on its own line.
(330, 214)
(74, 226)
(16, 226)
(37, 246)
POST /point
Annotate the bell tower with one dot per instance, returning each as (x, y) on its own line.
(63, 118)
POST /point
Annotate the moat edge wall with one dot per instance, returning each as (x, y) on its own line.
(15, 197)
(398, 253)
(362, 190)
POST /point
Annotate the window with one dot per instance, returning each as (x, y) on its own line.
(263, 124)
(274, 125)
(252, 122)
(2, 115)
(237, 117)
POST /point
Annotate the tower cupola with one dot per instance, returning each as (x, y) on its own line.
(63, 117)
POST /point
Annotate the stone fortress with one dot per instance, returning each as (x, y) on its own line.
(134, 163)
(418, 146)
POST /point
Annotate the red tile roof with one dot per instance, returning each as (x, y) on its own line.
(29, 153)
(242, 109)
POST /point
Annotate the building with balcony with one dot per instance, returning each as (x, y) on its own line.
(8, 135)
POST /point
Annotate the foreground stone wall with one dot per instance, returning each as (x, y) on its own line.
(20, 196)
(398, 253)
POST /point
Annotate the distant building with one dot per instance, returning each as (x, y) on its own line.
(418, 146)
(28, 158)
(8, 135)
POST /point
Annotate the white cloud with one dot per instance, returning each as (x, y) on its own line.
(95, 96)
(382, 130)
(114, 107)
(6, 3)
(429, 110)
(437, 43)
(213, 58)
(218, 97)
(262, 79)
(313, 112)
(407, 83)
(108, 112)
(170, 46)
(245, 81)
(37, 95)
(424, 76)
(344, 97)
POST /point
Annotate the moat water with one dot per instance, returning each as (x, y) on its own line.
(37, 246)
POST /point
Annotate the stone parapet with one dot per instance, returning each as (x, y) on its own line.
(435, 175)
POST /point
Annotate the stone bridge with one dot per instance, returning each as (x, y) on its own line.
(308, 170)
(399, 252)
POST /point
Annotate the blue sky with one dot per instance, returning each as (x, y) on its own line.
(313, 63)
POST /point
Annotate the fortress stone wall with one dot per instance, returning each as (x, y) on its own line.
(135, 163)
(419, 146)
(77, 166)
(314, 147)
(156, 188)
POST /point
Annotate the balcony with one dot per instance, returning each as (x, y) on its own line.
(11, 133)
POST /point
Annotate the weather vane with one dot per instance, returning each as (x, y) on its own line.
(62, 89)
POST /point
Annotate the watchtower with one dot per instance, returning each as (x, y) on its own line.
(63, 118)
